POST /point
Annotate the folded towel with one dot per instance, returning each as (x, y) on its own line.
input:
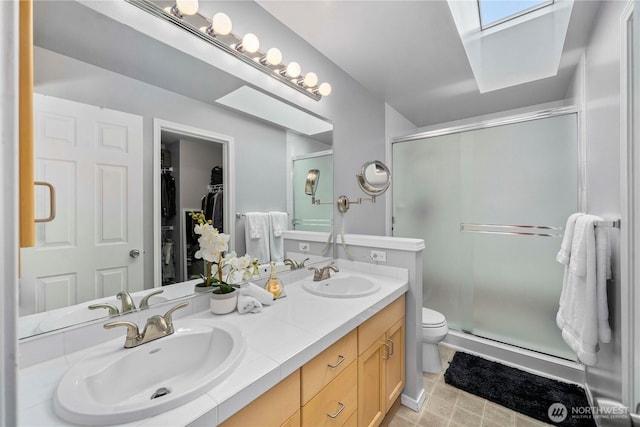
(248, 304)
(583, 314)
(257, 236)
(278, 223)
(567, 239)
(262, 295)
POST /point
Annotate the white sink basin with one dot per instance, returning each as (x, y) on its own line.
(62, 318)
(342, 285)
(123, 385)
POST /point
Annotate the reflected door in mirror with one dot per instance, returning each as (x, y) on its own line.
(93, 157)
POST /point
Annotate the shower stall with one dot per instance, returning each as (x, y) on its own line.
(491, 201)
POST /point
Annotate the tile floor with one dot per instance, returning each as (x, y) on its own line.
(449, 406)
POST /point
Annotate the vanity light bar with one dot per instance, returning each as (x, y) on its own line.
(234, 45)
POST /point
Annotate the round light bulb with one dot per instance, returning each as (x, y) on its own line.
(221, 24)
(293, 70)
(250, 43)
(274, 56)
(324, 89)
(187, 7)
(310, 79)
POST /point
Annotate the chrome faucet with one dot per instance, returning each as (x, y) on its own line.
(157, 327)
(293, 264)
(127, 301)
(113, 310)
(144, 302)
(323, 273)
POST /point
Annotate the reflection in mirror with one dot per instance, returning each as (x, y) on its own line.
(317, 215)
(105, 73)
(313, 178)
(374, 178)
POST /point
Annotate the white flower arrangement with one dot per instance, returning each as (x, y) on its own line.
(213, 245)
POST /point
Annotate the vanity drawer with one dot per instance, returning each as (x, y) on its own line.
(370, 330)
(274, 408)
(339, 398)
(328, 365)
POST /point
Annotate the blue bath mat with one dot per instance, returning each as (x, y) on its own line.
(547, 400)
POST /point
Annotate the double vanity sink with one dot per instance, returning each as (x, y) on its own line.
(206, 354)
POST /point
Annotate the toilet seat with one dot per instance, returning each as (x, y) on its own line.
(432, 319)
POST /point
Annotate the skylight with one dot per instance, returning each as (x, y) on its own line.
(494, 12)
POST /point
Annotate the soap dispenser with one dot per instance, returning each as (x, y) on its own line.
(274, 285)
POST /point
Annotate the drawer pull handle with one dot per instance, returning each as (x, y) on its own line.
(340, 360)
(387, 353)
(337, 413)
(392, 347)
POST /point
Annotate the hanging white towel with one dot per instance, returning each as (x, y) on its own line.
(256, 232)
(567, 239)
(278, 222)
(583, 315)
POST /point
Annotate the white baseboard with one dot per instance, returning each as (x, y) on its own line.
(413, 404)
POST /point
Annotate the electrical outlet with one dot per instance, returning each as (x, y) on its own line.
(303, 247)
(379, 256)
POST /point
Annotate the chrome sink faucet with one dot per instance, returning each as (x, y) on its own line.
(324, 272)
(113, 310)
(127, 301)
(293, 264)
(144, 303)
(157, 327)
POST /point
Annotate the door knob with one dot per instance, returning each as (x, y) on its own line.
(134, 253)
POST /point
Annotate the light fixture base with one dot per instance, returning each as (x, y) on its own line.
(343, 204)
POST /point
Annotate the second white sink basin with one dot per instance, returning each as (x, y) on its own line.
(342, 285)
(124, 385)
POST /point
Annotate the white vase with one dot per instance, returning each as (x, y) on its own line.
(223, 303)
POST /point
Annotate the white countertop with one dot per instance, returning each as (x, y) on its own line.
(280, 339)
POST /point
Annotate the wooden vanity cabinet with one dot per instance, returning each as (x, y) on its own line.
(354, 382)
(280, 406)
(380, 363)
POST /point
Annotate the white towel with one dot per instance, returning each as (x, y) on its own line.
(567, 239)
(278, 223)
(583, 314)
(248, 304)
(262, 295)
(256, 229)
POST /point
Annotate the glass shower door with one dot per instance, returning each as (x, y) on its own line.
(463, 194)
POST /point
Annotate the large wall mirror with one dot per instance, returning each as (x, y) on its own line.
(190, 120)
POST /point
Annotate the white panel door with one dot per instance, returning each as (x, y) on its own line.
(93, 158)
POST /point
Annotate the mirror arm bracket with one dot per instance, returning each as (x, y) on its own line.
(344, 203)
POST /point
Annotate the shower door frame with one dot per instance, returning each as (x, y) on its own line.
(507, 120)
(560, 367)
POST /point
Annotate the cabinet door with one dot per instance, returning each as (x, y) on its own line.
(371, 396)
(394, 363)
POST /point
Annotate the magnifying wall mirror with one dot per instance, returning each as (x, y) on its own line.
(374, 178)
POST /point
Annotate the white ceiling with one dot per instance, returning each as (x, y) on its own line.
(409, 53)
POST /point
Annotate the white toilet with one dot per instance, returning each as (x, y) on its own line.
(434, 329)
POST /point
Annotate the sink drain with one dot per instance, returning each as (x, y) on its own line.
(162, 391)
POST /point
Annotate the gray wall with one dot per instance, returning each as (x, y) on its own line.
(260, 149)
(602, 133)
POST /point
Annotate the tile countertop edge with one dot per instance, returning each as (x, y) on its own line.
(257, 383)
